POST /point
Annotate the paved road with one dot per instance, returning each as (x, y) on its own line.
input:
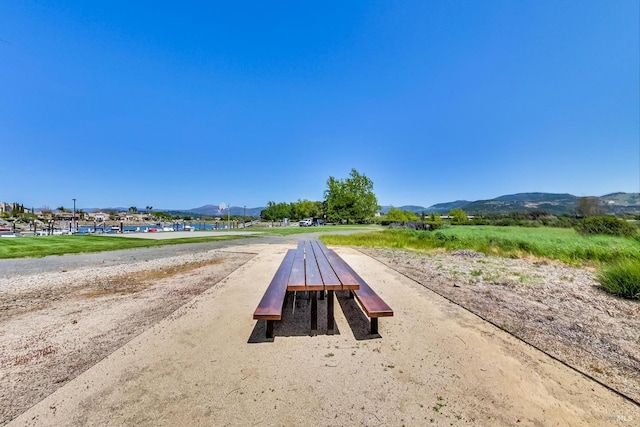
(26, 266)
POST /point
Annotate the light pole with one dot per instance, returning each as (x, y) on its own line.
(75, 228)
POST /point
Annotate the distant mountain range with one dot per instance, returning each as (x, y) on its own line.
(527, 202)
(557, 204)
(213, 210)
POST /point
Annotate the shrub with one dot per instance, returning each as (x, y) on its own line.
(622, 279)
(606, 225)
(435, 221)
(435, 225)
(458, 216)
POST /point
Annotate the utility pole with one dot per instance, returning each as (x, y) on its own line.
(74, 218)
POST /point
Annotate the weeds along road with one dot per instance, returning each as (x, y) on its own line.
(27, 266)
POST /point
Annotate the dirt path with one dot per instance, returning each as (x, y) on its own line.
(434, 364)
(55, 326)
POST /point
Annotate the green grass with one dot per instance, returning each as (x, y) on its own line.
(622, 279)
(561, 244)
(32, 247)
(24, 247)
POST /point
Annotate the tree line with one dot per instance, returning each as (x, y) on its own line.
(350, 200)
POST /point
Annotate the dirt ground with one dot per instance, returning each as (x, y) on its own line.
(174, 343)
(556, 308)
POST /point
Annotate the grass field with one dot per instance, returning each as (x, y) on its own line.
(563, 244)
(616, 257)
(25, 247)
(556, 243)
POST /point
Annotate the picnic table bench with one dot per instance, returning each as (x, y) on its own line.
(313, 268)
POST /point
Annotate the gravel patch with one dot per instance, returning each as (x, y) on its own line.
(56, 325)
(557, 308)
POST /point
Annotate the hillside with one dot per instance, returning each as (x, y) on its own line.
(525, 202)
(214, 210)
(555, 203)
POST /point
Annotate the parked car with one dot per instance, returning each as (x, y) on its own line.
(307, 222)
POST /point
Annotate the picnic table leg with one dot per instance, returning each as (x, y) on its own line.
(269, 328)
(330, 320)
(314, 313)
(321, 295)
(374, 326)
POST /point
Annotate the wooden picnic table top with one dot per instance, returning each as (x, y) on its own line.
(316, 268)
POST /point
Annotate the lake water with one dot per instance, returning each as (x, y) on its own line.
(146, 228)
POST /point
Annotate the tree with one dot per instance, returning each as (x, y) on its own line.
(133, 209)
(590, 206)
(47, 213)
(113, 215)
(435, 221)
(398, 215)
(307, 209)
(276, 211)
(163, 216)
(350, 199)
(16, 209)
(458, 216)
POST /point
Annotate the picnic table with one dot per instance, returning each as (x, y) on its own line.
(317, 269)
(314, 268)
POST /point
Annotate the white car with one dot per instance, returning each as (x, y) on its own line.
(307, 222)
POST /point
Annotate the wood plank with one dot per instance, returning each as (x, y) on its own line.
(270, 306)
(313, 277)
(329, 277)
(371, 302)
(345, 274)
(297, 276)
(340, 268)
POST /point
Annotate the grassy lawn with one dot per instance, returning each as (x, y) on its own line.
(25, 247)
(555, 243)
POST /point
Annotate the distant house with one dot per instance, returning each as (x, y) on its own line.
(125, 216)
(65, 216)
(6, 207)
(98, 216)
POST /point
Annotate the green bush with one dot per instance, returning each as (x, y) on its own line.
(609, 225)
(622, 279)
(435, 225)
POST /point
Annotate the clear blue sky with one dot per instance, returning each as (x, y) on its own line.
(181, 104)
